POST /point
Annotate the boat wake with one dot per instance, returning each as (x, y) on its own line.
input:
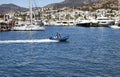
(28, 41)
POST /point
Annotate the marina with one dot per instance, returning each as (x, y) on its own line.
(30, 26)
(60, 38)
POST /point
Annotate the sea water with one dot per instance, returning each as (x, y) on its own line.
(89, 52)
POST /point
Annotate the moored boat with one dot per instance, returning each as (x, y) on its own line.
(25, 27)
(31, 26)
(84, 23)
(118, 23)
(4, 27)
(117, 26)
(105, 21)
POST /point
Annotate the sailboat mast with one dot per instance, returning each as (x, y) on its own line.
(30, 7)
(119, 8)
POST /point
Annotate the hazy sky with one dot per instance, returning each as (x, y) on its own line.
(25, 3)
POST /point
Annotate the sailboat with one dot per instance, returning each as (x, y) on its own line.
(31, 26)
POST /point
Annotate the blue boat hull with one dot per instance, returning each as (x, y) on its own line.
(62, 39)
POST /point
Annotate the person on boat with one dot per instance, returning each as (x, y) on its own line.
(58, 35)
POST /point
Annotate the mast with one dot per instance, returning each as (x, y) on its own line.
(119, 8)
(30, 7)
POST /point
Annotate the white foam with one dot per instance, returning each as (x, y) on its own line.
(28, 41)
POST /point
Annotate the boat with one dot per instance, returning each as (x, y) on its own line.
(25, 27)
(118, 23)
(87, 22)
(62, 39)
(117, 26)
(4, 26)
(32, 26)
(59, 38)
(105, 21)
(84, 23)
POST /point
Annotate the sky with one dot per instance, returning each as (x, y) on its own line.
(25, 3)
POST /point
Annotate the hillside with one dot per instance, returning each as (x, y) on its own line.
(5, 8)
(78, 4)
(105, 4)
(71, 3)
(86, 4)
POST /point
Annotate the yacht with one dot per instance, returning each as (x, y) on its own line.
(32, 26)
(117, 26)
(88, 22)
(105, 21)
(84, 23)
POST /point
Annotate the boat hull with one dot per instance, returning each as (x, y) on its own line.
(28, 28)
(84, 24)
(115, 27)
(62, 39)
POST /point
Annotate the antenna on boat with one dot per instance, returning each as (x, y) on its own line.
(30, 7)
(119, 8)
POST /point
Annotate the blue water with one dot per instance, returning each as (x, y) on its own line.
(89, 52)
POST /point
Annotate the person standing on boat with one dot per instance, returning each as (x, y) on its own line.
(58, 35)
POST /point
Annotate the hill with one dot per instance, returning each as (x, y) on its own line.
(71, 3)
(104, 4)
(5, 8)
(86, 4)
(79, 4)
